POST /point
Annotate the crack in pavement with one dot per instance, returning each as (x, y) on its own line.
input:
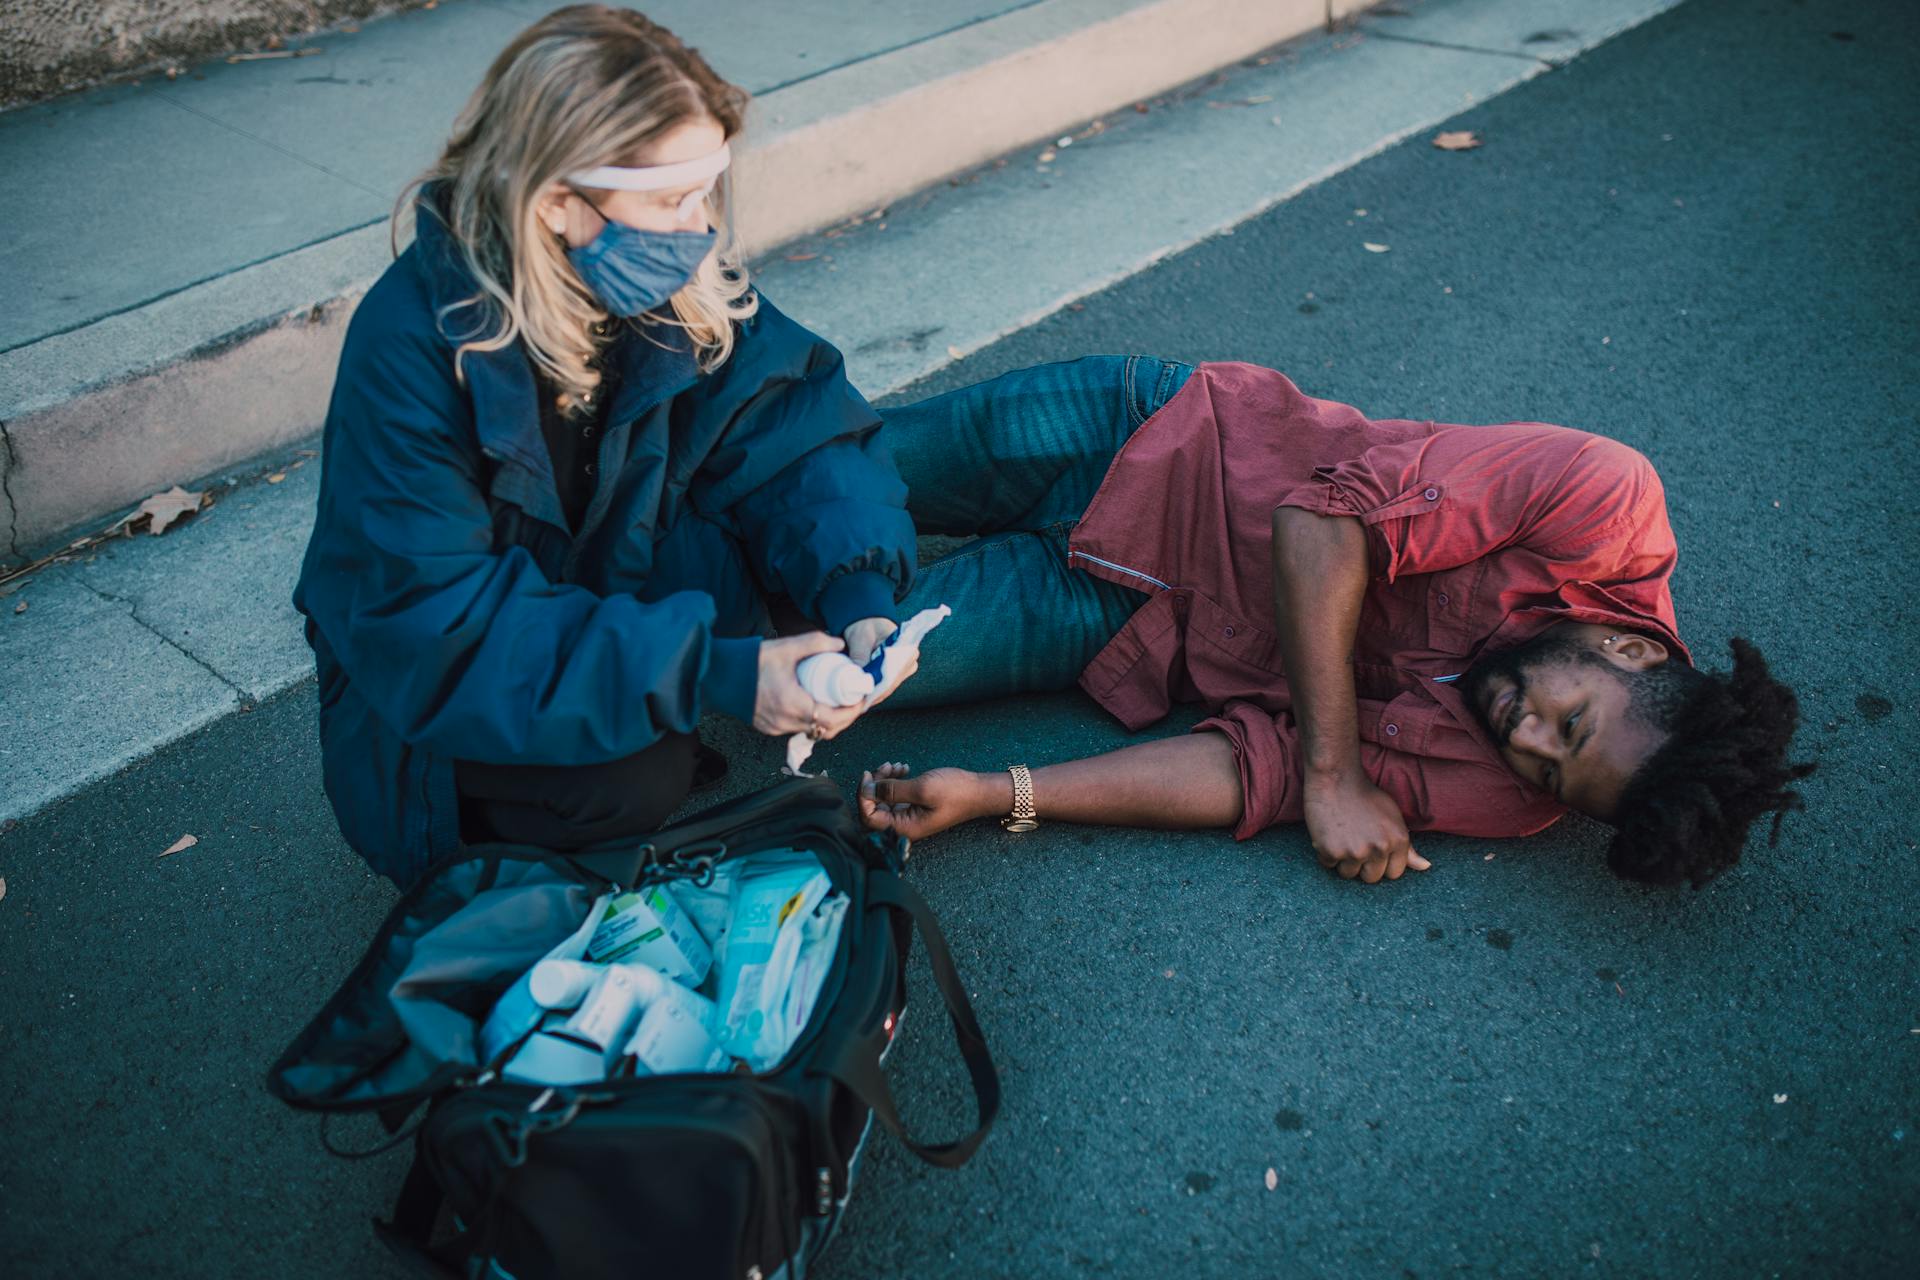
(1463, 48)
(8, 461)
(133, 611)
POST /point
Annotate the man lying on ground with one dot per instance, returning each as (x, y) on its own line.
(1396, 625)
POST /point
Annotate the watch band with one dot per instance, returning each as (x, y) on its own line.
(1022, 818)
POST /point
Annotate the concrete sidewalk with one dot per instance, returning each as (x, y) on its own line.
(146, 640)
(191, 243)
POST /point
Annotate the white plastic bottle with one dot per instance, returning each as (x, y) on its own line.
(654, 987)
(833, 679)
(672, 1039)
(561, 984)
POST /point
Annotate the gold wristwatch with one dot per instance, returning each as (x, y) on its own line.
(1022, 818)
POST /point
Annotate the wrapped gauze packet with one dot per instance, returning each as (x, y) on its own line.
(772, 912)
(833, 679)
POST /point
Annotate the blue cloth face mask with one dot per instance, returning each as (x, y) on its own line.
(633, 271)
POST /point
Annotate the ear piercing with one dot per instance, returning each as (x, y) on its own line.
(1609, 640)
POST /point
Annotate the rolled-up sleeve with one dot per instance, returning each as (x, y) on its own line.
(1435, 502)
(1266, 750)
(1460, 797)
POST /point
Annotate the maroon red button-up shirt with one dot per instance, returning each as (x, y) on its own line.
(1479, 537)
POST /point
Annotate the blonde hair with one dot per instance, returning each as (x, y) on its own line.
(585, 86)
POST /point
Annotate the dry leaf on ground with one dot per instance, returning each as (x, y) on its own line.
(163, 509)
(184, 842)
(1371, 247)
(955, 352)
(1456, 140)
(276, 477)
(801, 257)
(3, 886)
(1273, 1179)
(21, 607)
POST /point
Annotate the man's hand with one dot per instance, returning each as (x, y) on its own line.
(922, 806)
(780, 705)
(1357, 829)
(867, 635)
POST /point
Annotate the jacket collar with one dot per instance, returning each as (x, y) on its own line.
(654, 362)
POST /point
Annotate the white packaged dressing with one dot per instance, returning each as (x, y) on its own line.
(771, 918)
(887, 668)
(819, 942)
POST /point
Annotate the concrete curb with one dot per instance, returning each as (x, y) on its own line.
(194, 382)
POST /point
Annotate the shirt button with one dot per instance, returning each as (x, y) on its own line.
(589, 468)
(1443, 599)
(586, 433)
(1228, 633)
(1393, 731)
(1431, 495)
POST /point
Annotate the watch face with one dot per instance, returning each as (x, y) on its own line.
(1019, 824)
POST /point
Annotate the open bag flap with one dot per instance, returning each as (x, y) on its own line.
(404, 1023)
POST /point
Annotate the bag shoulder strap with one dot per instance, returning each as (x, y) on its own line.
(858, 1063)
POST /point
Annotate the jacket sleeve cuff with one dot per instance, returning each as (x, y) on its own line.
(733, 678)
(852, 597)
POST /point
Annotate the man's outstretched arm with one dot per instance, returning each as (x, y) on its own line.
(1177, 783)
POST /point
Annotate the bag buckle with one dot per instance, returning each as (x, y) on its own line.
(509, 1132)
(695, 862)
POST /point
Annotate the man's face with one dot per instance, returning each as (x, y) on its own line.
(1560, 709)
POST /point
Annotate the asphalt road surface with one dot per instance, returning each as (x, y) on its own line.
(1699, 239)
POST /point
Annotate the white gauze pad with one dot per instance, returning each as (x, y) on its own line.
(887, 668)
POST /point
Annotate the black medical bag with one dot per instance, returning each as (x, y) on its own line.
(740, 1176)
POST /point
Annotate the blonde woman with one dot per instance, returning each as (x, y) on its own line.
(570, 455)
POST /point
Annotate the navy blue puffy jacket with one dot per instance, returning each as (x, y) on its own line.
(452, 614)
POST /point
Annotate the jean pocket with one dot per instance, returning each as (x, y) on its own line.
(1151, 382)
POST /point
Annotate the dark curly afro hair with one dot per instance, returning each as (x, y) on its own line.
(1684, 814)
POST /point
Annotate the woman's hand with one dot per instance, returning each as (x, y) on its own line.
(867, 635)
(923, 806)
(780, 705)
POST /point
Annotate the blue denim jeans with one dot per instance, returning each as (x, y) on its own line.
(1012, 463)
